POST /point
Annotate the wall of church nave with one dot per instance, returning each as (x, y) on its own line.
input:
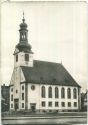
(35, 97)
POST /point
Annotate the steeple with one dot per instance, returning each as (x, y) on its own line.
(23, 55)
(23, 44)
(23, 31)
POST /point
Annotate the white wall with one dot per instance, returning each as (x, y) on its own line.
(34, 96)
(21, 60)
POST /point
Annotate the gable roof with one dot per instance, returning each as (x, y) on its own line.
(48, 73)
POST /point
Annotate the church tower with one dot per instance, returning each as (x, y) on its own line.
(23, 55)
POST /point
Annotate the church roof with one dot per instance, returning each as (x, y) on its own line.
(48, 73)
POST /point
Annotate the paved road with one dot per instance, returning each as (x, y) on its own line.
(42, 121)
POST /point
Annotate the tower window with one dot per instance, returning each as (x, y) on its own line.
(11, 97)
(22, 105)
(26, 57)
(16, 58)
(22, 96)
(23, 87)
(11, 105)
(11, 89)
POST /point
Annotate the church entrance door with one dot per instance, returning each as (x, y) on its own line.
(33, 106)
(16, 104)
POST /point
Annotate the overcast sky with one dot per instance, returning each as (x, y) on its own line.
(57, 32)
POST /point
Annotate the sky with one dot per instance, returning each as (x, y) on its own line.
(57, 32)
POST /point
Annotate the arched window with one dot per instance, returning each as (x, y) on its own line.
(74, 93)
(69, 93)
(62, 93)
(56, 92)
(50, 92)
(43, 92)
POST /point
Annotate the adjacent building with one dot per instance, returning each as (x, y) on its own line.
(5, 98)
(39, 85)
(84, 101)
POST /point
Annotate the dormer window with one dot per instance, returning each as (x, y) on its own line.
(16, 58)
(26, 57)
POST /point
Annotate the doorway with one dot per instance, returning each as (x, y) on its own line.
(16, 104)
(33, 106)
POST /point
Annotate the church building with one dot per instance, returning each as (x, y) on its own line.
(40, 86)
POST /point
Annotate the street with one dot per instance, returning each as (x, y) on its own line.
(49, 120)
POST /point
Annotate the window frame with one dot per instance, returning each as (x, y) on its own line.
(26, 57)
(63, 104)
(11, 97)
(11, 105)
(50, 92)
(56, 104)
(22, 96)
(75, 93)
(43, 92)
(56, 92)
(50, 104)
(22, 87)
(69, 104)
(69, 93)
(43, 103)
(62, 93)
(75, 104)
(22, 105)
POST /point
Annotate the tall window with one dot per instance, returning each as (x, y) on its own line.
(69, 93)
(74, 93)
(22, 87)
(16, 58)
(26, 57)
(56, 92)
(62, 93)
(22, 96)
(43, 92)
(11, 105)
(11, 97)
(22, 105)
(50, 92)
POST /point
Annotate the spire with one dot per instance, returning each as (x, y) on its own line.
(23, 44)
(23, 17)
